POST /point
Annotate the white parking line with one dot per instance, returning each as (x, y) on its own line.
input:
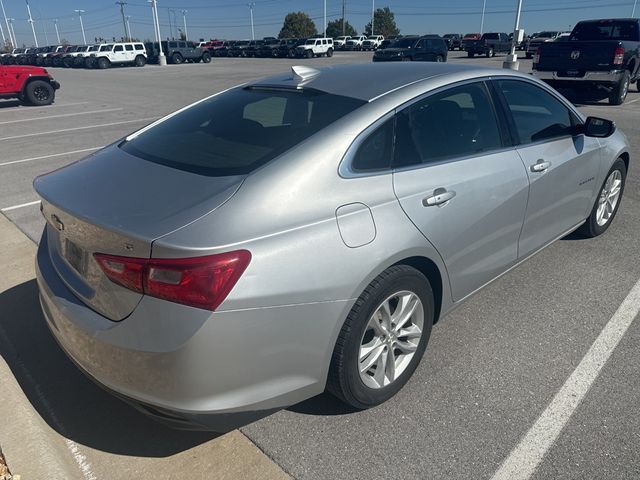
(15, 207)
(56, 105)
(527, 455)
(50, 156)
(632, 101)
(78, 128)
(62, 115)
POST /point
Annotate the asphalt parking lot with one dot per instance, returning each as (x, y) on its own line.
(492, 367)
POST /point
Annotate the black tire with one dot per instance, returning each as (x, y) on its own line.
(140, 61)
(67, 62)
(489, 53)
(57, 62)
(103, 63)
(344, 379)
(407, 59)
(591, 228)
(309, 53)
(176, 59)
(439, 59)
(619, 92)
(206, 57)
(39, 92)
(330, 52)
(470, 54)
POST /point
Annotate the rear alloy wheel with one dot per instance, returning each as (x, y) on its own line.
(140, 61)
(206, 57)
(309, 54)
(103, 63)
(489, 53)
(39, 93)
(439, 59)
(619, 92)
(383, 338)
(176, 58)
(608, 201)
(330, 52)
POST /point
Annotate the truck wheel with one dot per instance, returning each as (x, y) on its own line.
(470, 54)
(309, 54)
(489, 53)
(619, 92)
(67, 62)
(439, 59)
(39, 93)
(206, 57)
(176, 58)
(103, 63)
(330, 52)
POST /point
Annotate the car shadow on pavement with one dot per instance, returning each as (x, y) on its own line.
(323, 404)
(10, 103)
(66, 399)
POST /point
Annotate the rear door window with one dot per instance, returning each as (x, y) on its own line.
(128, 48)
(118, 48)
(236, 132)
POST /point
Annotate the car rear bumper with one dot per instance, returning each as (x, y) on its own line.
(190, 367)
(611, 76)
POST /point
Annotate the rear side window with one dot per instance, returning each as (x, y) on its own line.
(128, 48)
(236, 132)
(118, 48)
(609, 30)
(173, 44)
(139, 46)
(457, 122)
(375, 152)
(537, 114)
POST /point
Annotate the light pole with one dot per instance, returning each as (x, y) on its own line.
(184, 22)
(484, 6)
(633, 12)
(512, 59)
(373, 14)
(80, 12)
(13, 32)
(4, 39)
(55, 24)
(324, 28)
(251, 5)
(129, 28)
(30, 20)
(162, 60)
(344, 6)
(6, 21)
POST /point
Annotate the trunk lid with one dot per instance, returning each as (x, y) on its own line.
(116, 203)
(576, 57)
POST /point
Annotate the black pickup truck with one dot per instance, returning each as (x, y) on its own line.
(599, 55)
(488, 45)
(177, 52)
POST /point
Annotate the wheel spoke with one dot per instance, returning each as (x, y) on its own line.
(366, 349)
(381, 367)
(372, 359)
(413, 331)
(385, 312)
(391, 365)
(406, 347)
(406, 308)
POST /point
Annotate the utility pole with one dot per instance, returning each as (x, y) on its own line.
(184, 22)
(162, 60)
(324, 28)
(633, 12)
(30, 20)
(484, 6)
(13, 32)
(251, 5)
(80, 12)
(6, 21)
(55, 24)
(124, 22)
(129, 28)
(512, 59)
(373, 13)
(344, 4)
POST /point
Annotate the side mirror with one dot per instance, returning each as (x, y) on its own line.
(598, 127)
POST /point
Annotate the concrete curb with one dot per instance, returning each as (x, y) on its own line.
(36, 449)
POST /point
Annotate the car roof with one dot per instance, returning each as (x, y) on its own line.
(354, 80)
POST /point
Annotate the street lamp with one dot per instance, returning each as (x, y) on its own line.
(484, 6)
(30, 20)
(162, 60)
(512, 59)
(55, 23)
(251, 5)
(373, 14)
(80, 12)
(6, 21)
(184, 22)
(128, 17)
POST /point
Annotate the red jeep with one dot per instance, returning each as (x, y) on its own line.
(31, 85)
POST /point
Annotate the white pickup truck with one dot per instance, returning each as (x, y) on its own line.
(372, 42)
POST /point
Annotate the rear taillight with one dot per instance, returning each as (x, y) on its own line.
(536, 57)
(202, 282)
(618, 56)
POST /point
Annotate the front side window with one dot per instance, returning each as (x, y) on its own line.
(236, 132)
(537, 114)
(128, 48)
(457, 122)
(118, 48)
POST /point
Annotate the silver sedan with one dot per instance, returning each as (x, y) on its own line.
(305, 231)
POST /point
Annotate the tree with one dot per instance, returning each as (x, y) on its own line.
(384, 23)
(297, 25)
(64, 42)
(334, 28)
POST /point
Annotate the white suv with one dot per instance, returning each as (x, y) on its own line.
(372, 42)
(128, 53)
(340, 42)
(315, 47)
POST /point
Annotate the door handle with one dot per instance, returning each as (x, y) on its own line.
(540, 166)
(439, 197)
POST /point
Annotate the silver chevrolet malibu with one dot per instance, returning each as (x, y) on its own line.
(305, 231)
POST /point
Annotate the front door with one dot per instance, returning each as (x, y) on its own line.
(458, 183)
(562, 167)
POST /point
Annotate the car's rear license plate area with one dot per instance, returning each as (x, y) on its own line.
(75, 256)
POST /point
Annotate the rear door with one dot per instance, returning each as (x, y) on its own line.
(460, 184)
(561, 167)
(8, 83)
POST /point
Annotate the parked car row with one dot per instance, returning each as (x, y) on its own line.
(269, 47)
(85, 56)
(426, 48)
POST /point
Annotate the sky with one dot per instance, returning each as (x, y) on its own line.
(230, 19)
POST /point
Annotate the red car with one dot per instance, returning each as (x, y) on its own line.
(31, 85)
(470, 37)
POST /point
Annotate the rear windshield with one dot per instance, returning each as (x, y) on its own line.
(492, 36)
(612, 30)
(236, 132)
(405, 43)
